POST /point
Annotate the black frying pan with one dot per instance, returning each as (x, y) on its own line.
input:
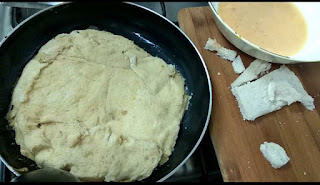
(147, 29)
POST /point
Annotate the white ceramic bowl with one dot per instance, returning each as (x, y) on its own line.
(310, 52)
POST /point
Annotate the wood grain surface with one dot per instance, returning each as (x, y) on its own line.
(237, 142)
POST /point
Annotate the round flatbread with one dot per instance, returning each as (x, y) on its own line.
(99, 106)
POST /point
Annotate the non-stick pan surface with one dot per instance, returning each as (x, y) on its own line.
(147, 29)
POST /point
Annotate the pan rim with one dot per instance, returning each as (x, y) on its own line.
(13, 170)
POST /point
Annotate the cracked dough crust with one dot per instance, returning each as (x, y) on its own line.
(97, 105)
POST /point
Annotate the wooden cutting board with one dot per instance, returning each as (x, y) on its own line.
(237, 142)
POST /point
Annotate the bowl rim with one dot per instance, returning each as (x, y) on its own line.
(289, 59)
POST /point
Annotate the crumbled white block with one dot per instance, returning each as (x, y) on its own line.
(282, 91)
(133, 61)
(252, 72)
(238, 65)
(275, 154)
(271, 92)
(213, 45)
